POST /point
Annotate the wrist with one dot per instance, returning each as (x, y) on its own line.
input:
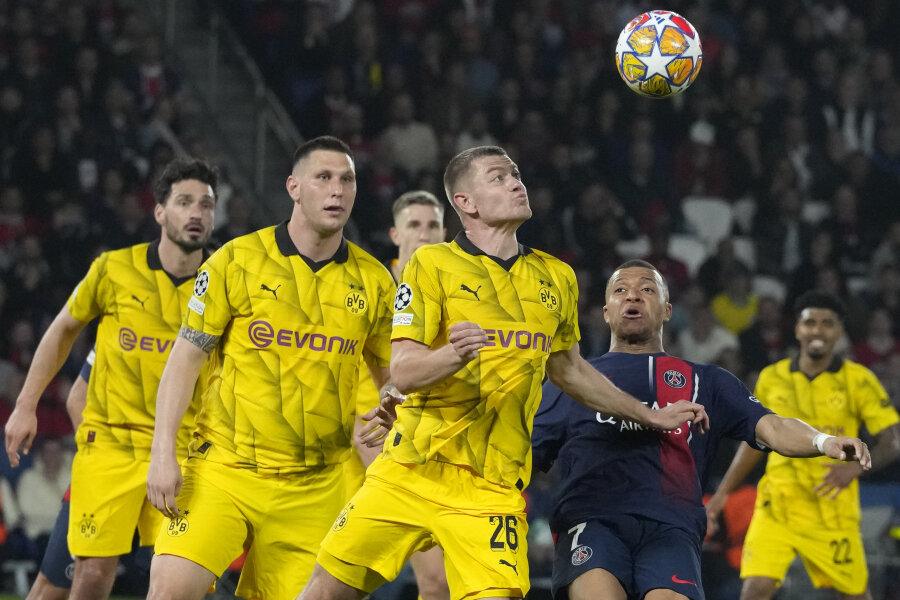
(819, 441)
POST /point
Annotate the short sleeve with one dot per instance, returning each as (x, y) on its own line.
(417, 303)
(876, 409)
(88, 298)
(209, 309)
(568, 333)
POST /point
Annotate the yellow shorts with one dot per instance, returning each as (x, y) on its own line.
(403, 509)
(281, 518)
(833, 558)
(354, 473)
(108, 500)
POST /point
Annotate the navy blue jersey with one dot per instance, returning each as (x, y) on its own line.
(608, 466)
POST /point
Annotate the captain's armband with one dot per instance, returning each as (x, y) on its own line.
(204, 341)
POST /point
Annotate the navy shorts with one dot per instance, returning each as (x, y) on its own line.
(643, 554)
(57, 564)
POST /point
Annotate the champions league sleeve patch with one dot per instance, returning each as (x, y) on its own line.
(201, 284)
(402, 298)
(404, 319)
(196, 306)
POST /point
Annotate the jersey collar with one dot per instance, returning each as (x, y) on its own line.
(287, 248)
(155, 263)
(466, 244)
(836, 363)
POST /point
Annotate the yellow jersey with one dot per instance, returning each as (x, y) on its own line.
(140, 307)
(293, 332)
(481, 416)
(837, 402)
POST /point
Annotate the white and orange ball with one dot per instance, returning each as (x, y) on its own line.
(658, 54)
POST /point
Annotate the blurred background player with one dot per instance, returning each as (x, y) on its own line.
(288, 313)
(629, 514)
(418, 220)
(454, 465)
(138, 293)
(811, 508)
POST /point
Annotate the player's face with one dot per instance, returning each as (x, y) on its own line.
(323, 186)
(636, 304)
(187, 216)
(818, 330)
(498, 193)
(418, 225)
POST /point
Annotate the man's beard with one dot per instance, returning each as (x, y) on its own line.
(187, 245)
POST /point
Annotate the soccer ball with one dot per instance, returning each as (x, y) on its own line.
(658, 54)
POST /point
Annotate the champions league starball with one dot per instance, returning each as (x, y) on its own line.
(658, 54)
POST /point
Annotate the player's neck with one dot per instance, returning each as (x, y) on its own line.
(650, 346)
(176, 261)
(810, 366)
(494, 241)
(312, 244)
(397, 266)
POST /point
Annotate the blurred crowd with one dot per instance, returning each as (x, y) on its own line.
(793, 125)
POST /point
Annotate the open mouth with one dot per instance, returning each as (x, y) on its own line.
(194, 229)
(633, 313)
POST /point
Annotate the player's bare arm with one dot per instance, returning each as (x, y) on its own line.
(415, 366)
(176, 388)
(839, 475)
(49, 356)
(576, 377)
(796, 439)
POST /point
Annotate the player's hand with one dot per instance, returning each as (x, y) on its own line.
(381, 418)
(467, 339)
(677, 414)
(163, 484)
(848, 449)
(20, 431)
(839, 476)
(714, 507)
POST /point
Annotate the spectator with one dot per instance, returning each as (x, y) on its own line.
(673, 269)
(39, 491)
(412, 144)
(704, 340)
(699, 168)
(780, 233)
(767, 339)
(713, 272)
(880, 341)
(736, 306)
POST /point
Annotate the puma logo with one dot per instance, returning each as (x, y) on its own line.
(510, 565)
(474, 292)
(266, 288)
(139, 301)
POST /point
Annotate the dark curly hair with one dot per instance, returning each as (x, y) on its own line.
(816, 299)
(182, 169)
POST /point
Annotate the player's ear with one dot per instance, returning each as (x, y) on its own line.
(605, 314)
(159, 214)
(668, 313)
(464, 203)
(393, 233)
(293, 188)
